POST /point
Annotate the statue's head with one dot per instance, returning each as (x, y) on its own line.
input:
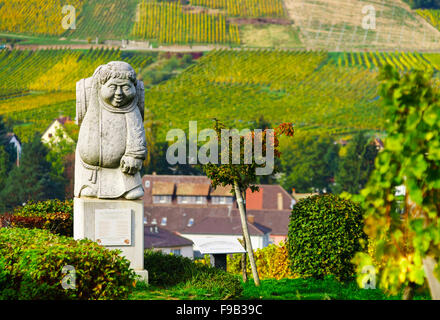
(118, 83)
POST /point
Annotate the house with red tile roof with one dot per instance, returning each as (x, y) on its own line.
(157, 238)
(191, 207)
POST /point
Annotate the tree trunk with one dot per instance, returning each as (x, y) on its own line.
(434, 285)
(408, 292)
(247, 238)
(243, 263)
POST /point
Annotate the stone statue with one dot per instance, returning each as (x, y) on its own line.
(111, 143)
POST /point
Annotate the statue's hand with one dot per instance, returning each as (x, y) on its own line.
(130, 165)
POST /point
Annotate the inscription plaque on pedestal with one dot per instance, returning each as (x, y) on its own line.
(113, 227)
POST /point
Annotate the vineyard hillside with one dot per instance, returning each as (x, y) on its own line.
(333, 25)
(167, 22)
(318, 91)
(38, 86)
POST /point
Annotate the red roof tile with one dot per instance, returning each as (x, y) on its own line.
(163, 238)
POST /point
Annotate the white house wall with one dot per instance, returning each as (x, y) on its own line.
(184, 251)
(258, 242)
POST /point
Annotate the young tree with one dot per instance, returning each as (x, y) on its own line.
(406, 233)
(242, 175)
(262, 124)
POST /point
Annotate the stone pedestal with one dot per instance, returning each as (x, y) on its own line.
(115, 224)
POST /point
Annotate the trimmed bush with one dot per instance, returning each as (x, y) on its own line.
(272, 263)
(167, 270)
(53, 215)
(32, 261)
(325, 232)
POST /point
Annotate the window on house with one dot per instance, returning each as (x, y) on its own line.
(221, 200)
(176, 252)
(228, 200)
(161, 199)
(191, 199)
(164, 221)
(145, 220)
(190, 222)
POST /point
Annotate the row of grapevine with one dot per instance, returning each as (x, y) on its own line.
(401, 60)
(168, 22)
(245, 8)
(32, 102)
(54, 70)
(430, 15)
(276, 69)
(35, 16)
(105, 19)
(47, 108)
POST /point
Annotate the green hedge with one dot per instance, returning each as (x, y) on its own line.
(53, 215)
(31, 263)
(165, 270)
(325, 232)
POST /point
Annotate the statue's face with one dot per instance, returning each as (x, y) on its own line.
(118, 92)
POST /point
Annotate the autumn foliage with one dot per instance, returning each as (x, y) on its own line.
(272, 263)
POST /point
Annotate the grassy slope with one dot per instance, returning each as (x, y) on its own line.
(270, 35)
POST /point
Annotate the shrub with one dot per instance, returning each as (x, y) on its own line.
(325, 232)
(166, 270)
(272, 263)
(216, 281)
(53, 215)
(31, 263)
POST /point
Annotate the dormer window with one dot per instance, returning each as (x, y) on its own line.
(192, 193)
(162, 192)
(191, 199)
(190, 222)
(162, 199)
(164, 221)
(221, 200)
